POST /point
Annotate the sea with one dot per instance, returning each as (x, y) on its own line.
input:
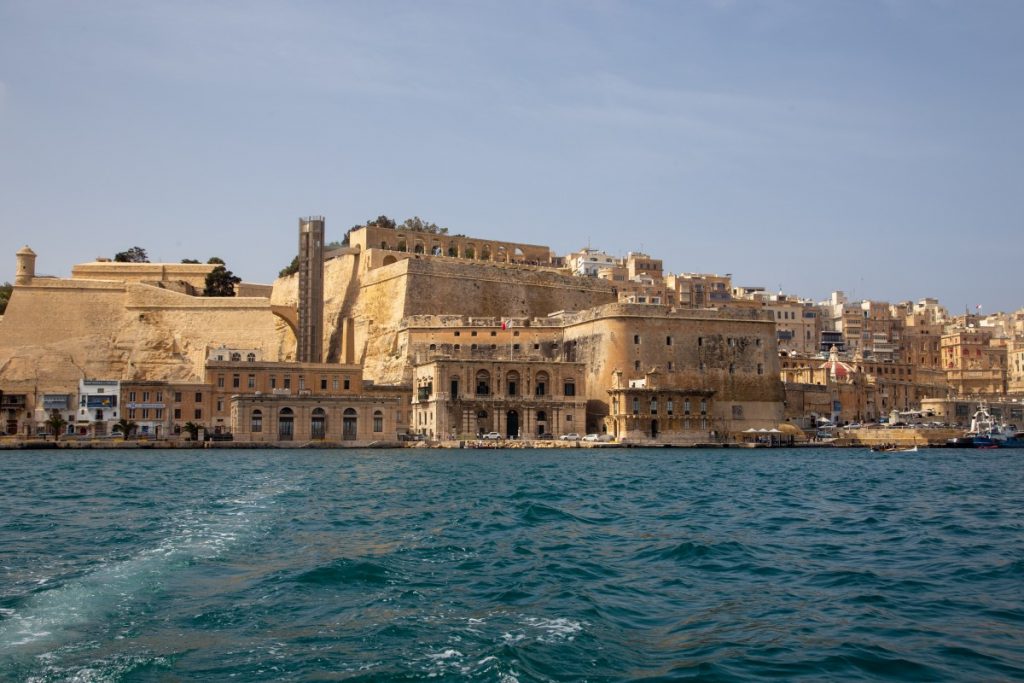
(511, 565)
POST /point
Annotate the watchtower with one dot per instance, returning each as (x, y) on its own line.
(311, 289)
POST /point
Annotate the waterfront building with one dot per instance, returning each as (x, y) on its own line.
(467, 397)
(98, 409)
(643, 410)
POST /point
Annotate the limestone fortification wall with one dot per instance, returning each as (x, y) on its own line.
(192, 273)
(57, 332)
(413, 287)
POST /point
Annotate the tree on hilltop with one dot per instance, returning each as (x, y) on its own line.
(189, 260)
(5, 296)
(133, 255)
(220, 281)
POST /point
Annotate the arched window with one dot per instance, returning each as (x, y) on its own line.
(378, 421)
(469, 251)
(285, 424)
(256, 421)
(483, 383)
(435, 250)
(250, 357)
(453, 251)
(236, 356)
(512, 383)
(419, 248)
(541, 385)
(349, 424)
(485, 253)
(318, 424)
(401, 245)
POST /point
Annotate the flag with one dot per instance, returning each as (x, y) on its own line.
(505, 324)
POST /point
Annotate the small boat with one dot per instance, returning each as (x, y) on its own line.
(887, 448)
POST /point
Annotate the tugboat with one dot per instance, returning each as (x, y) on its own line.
(986, 433)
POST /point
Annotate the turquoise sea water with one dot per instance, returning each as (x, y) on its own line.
(514, 565)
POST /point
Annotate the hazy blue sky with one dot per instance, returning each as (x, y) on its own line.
(869, 146)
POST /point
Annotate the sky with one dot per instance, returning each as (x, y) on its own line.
(869, 146)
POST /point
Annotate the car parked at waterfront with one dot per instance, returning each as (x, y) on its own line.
(571, 436)
(492, 435)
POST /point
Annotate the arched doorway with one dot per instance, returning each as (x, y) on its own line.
(389, 259)
(654, 429)
(512, 424)
(285, 424)
(349, 425)
(483, 423)
(318, 424)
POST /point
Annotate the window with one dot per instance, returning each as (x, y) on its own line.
(256, 421)
(493, 333)
(457, 333)
(199, 397)
(636, 365)
(250, 357)
(236, 381)
(636, 406)
(177, 397)
(703, 406)
(159, 413)
(159, 396)
(636, 338)
(199, 413)
(433, 347)
(473, 333)
(668, 406)
(541, 387)
(145, 413)
(515, 347)
(686, 406)
(287, 382)
(302, 382)
(668, 341)
(273, 382)
(483, 383)
(177, 413)
(131, 396)
(700, 341)
(220, 381)
(654, 405)
(220, 405)
(670, 366)
(455, 387)
(236, 356)
(252, 381)
(323, 384)
(345, 384)
(760, 369)
(378, 421)
(131, 413)
(569, 388)
(334, 383)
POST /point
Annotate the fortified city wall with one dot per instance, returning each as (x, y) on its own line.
(414, 287)
(58, 331)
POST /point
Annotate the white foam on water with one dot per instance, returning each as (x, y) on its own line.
(554, 629)
(54, 616)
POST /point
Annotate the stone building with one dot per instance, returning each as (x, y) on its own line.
(644, 410)
(462, 398)
(975, 362)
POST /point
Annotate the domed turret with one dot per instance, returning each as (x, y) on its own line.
(26, 269)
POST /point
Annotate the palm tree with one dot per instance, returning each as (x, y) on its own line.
(56, 423)
(193, 430)
(126, 427)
